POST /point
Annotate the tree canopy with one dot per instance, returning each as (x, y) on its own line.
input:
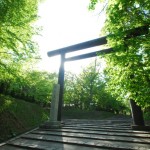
(16, 31)
(18, 52)
(128, 68)
(87, 90)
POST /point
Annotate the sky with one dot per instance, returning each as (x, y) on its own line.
(65, 23)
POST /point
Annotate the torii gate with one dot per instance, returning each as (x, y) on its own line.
(76, 47)
(136, 110)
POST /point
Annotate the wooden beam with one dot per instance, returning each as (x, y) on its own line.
(80, 46)
(89, 55)
(143, 30)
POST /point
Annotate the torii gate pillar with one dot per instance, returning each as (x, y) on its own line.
(61, 83)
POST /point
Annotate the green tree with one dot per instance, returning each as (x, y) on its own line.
(16, 31)
(128, 71)
(127, 27)
(73, 92)
(30, 85)
(38, 86)
(87, 90)
(17, 50)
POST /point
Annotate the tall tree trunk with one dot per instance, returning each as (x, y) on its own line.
(137, 114)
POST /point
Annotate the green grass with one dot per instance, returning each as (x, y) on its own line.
(18, 116)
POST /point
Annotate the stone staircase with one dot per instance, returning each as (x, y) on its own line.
(83, 135)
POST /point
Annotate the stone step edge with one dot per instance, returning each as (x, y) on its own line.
(27, 147)
(94, 138)
(108, 130)
(108, 146)
(136, 136)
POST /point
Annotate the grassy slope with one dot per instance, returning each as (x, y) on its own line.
(17, 116)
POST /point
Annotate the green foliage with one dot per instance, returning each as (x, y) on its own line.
(147, 114)
(93, 4)
(18, 52)
(128, 71)
(39, 86)
(33, 86)
(16, 29)
(87, 91)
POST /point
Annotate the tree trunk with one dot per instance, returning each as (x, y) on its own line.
(137, 114)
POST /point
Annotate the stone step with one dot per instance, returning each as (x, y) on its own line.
(83, 135)
(10, 147)
(87, 142)
(48, 145)
(108, 130)
(94, 136)
(94, 124)
(101, 127)
(82, 121)
(100, 132)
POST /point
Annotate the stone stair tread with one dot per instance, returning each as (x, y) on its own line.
(50, 145)
(87, 142)
(9, 147)
(94, 136)
(83, 135)
(101, 132)
(105, 129)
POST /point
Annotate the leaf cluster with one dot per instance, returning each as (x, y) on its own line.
(16, 30)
